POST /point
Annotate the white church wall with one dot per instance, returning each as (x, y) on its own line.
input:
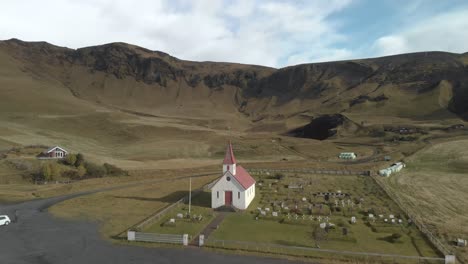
(224, 185)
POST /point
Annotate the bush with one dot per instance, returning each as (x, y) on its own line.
(279, 176)
(70, 159)
(50, 171)
(112, 170)
(79, 160)
(72, 174)
(94, 170)
(81, 171)
(394, 237)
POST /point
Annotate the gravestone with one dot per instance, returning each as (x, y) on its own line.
(385, 220)
(263, 213)
(323, 225)
(400, 221)
(353, 220)
(179, 215)
(267, 209)
(393, 221)
(391, 216)
(275, 214)
(172, 221)
(304, 199)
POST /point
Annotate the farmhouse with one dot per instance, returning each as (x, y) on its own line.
(53, 153)
(236, 188)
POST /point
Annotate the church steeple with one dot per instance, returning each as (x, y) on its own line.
(229, 163)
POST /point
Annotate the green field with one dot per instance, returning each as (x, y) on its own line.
(200, 206)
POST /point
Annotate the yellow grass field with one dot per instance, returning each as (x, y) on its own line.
(435, 184)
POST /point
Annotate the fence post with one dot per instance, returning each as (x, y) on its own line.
(130, 235)
(201, 240)
(450, 259)
(185, 240)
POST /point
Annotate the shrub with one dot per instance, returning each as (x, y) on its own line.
(393, 238)
(94, 170)
(79, 160)
(81, 171)
(114, 170)
(72, 174)
(279, 176)
(70, 159)
(50, 171)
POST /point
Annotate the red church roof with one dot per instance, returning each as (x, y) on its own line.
(243, 177)
(229, 158)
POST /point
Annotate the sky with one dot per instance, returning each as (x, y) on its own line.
(263, 32)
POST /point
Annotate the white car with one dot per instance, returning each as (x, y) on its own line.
(4, 220)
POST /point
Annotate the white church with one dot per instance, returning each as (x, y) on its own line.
(236, 188)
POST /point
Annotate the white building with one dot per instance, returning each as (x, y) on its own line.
(396, 167)
(347, 155)
(235, 188)
(53, 153)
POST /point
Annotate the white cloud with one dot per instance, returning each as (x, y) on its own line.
(271, 33)
(443, 32)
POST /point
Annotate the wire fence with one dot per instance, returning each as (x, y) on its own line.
(366, 257)
(310, 171)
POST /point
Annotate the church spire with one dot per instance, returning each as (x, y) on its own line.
(229, 163)
(229, 157)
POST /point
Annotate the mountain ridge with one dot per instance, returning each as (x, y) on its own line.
(138, 79)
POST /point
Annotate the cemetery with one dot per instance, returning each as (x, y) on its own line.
(349, 213)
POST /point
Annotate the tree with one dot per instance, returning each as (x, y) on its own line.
(71, 159)
(81, 171)
(79, 160)
(54, 171)
(46, 172)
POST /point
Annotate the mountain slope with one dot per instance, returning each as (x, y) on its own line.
(416, 86)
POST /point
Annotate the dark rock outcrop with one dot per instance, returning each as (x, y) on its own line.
(321, 128)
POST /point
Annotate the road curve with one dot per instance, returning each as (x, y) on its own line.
(38, 237)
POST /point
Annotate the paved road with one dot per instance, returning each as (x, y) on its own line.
(38, 237)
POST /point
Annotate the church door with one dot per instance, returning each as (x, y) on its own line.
(228, 198)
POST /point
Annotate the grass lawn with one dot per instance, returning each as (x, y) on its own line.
(363, 236)
(200, 206)
(120, 209)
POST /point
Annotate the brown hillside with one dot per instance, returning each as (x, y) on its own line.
(428, 85)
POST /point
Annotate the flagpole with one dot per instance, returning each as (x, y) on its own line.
(190, 195)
